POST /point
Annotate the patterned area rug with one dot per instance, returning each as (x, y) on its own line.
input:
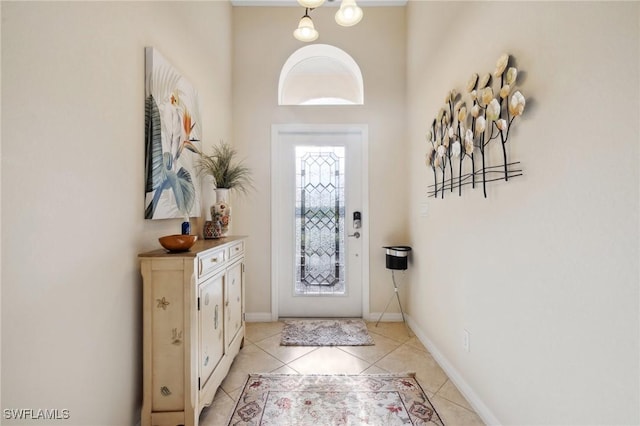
(349, 332)
(281, 399)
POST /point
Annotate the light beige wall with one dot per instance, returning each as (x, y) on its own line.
(263, 41)
(72, 191)
(1, 215)
(544, 272)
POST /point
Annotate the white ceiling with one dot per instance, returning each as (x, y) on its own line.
(363, 3)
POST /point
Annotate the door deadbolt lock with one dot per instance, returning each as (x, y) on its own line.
(357, 220)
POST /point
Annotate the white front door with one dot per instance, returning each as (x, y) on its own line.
(319, 251)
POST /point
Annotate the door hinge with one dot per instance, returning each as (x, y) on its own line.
(198, 383)
(244, 317)
(243, 267)
(198, 303)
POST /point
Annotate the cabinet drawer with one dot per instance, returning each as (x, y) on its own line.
(236, 249)
(210, 261)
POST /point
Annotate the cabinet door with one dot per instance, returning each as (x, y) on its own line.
(210, 319)
(234, 301)
(165, 301)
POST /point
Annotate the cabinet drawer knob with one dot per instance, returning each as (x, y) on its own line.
(214, 259)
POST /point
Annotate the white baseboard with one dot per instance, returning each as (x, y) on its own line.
(257, 317)
(373, 316)
(387, 317)
(480, 408)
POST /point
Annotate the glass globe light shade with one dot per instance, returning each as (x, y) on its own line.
(311, 4)
(306, 31)
(349, 13)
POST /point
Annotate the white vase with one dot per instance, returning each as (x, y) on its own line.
(221, 210)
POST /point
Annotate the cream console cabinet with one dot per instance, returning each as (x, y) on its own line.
(193, 327)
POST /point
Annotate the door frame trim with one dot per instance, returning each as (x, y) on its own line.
(277, 131)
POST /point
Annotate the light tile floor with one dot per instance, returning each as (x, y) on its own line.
(394, 352)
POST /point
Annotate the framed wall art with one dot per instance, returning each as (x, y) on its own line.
(173, 133)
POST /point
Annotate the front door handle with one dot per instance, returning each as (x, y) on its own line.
(355, 234)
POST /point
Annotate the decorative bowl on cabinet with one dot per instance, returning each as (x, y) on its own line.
(178, 242)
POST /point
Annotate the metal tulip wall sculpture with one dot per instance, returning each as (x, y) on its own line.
(467, 124)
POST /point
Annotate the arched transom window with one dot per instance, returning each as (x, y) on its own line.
(320, 74)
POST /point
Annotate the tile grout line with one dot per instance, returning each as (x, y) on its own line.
(441, 386)
(389, 337)
(287, 362)
(437, 393)
(265, 338)
(455, 403)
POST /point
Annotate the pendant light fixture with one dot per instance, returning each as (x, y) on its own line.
(310, 4)
(348, 15)
(306, 31)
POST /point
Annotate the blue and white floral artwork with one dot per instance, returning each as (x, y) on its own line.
(173, 133)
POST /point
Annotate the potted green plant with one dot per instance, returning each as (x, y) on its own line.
(228, 173)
